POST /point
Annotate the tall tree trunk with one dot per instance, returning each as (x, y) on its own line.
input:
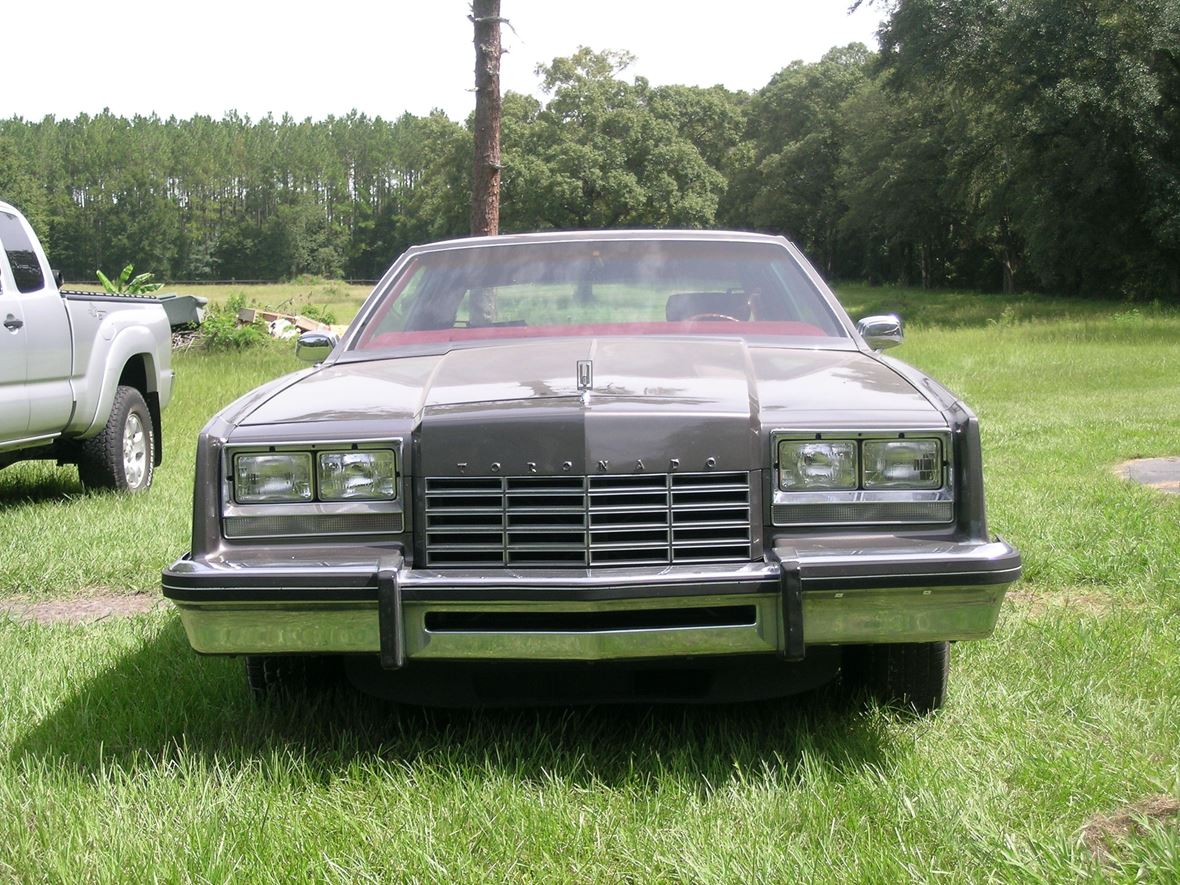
(1008, 257)
(1009, 283)
(485, 183)
(485, 189)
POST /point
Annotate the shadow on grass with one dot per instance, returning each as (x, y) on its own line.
(21, 487)
(162, 702)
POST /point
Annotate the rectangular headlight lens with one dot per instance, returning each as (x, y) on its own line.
(902, 464)
(272, 478)
(358, 476)
(817, 465)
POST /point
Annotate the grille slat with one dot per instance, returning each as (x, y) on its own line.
(650, 519)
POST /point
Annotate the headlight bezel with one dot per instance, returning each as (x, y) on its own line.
(320, 516)
(864, 505)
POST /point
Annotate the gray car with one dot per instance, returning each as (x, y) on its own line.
(596, 466)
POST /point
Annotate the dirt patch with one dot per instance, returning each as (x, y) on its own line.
(1037, 602)
(1103, 834)
(1162, 474)
(80, 610)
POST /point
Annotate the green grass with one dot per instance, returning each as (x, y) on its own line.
(123, 756)
(70, 542)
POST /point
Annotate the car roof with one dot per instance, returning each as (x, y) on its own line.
(601, 236)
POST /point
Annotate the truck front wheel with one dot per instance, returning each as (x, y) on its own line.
(120, 457)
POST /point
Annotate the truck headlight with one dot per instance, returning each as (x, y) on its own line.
(902, 464)
(817, 465)
(358, 476)
(272, 478)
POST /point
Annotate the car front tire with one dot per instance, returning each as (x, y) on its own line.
(120, 457)
(911, 675)
(270, 676)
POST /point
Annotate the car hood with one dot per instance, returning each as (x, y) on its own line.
(719, 393)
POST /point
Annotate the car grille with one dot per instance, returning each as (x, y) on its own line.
(645, 519)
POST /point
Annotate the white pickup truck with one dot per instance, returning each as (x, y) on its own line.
(83, 377)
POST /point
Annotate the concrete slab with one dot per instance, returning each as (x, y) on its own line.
(1158, 473)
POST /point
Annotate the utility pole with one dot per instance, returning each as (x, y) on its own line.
(485, 186)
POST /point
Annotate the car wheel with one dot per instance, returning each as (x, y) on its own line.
(912, 675)
(120, 457)
(272, 675)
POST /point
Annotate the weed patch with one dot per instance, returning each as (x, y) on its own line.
(1040, 602)
(1106, 835)
(87, 609)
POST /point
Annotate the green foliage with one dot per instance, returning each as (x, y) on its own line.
(603, 152)
(797, 128)
(222, 330)
(318, 313)
(1066, 135)
(126, 284)
(19, 184)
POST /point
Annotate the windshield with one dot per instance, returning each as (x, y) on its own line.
(588, 287)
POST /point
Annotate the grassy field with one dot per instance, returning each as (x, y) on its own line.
(123, 756)
(339, 299)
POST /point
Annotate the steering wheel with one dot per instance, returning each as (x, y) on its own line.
(724, 317)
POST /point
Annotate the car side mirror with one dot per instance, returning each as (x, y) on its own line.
(881, 332)
(313, 347)
(59, 278)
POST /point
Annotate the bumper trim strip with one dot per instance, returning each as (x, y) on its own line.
(791, 611)
(390, 619)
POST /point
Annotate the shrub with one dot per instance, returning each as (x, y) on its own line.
(222, 330)
(319, 313)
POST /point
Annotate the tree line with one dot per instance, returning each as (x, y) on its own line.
(1014, 144)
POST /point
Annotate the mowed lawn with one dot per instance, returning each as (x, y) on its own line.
(125, 757)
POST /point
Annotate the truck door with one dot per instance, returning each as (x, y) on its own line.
(45, 330)
(14, 396)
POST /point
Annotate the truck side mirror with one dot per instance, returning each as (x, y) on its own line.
(59, 278)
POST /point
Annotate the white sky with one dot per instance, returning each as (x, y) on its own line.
(63, 57)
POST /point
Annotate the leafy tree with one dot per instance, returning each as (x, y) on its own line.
(786, 179)
(597, 154)
(1067, 127)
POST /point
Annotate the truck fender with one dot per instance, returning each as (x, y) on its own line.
(131, 340)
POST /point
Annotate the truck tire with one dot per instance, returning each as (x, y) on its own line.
(270, 676)
(120, 457)
(911, 675)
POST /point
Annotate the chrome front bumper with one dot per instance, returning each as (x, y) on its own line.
(880, 591)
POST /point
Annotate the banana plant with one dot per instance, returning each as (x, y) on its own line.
(126, 284)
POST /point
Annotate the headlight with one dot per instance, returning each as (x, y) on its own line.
(363, 476)
(902, 464)
(272, 478)
(807, 465)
